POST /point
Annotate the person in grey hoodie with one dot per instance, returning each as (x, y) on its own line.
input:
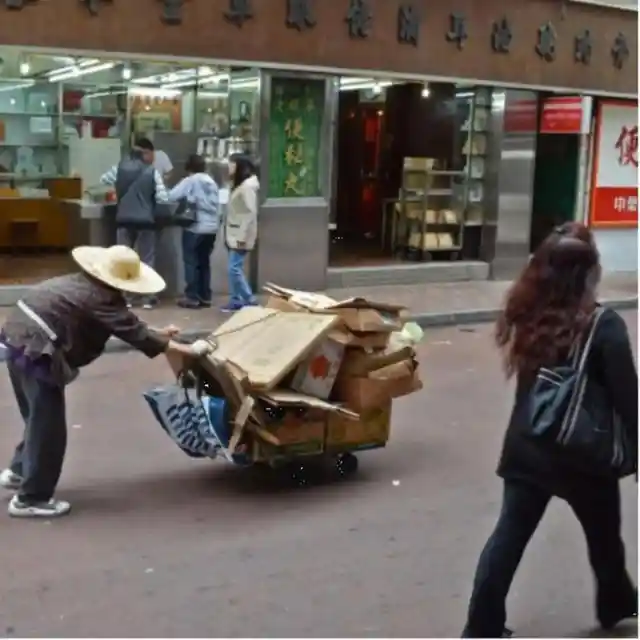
(201, 193)
(139, 187)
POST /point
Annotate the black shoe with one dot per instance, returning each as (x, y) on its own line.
(610, 623)
(205, 304)
(185, 303)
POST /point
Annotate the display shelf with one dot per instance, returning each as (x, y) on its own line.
(429, 213)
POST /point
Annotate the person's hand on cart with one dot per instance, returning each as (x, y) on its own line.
(170, 331)
(197, 349)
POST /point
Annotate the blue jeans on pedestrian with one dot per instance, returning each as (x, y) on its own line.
(240, 293)
(196, 254)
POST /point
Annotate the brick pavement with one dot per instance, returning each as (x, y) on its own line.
(421, 299)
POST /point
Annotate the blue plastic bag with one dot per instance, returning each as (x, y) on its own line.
(183, 417)
(220, 430)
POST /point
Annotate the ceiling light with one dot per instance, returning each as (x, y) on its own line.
(426, 92)
(25, 67)
(105, 66)
(126, 73)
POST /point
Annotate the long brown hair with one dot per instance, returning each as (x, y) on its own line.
(551, 302)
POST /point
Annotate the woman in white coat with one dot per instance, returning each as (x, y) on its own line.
(241, 229)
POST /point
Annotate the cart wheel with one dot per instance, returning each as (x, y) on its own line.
(455, 256)
(299, 474)
(427, 257)
(346, 464)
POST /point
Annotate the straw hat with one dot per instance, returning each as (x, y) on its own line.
(120, 268)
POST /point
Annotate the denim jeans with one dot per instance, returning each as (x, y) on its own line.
(39, 456)
(239, 290)
(196, 254)
(523, 506)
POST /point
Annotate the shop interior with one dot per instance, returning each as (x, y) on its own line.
(64, 121)
(409, 170)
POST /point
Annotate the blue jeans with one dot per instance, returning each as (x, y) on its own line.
(196, 254)
(239, 290)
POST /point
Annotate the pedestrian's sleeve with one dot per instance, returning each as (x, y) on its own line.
(162, 195)
(250, 217)
(180, 191)
(109, 178)
(124, 324)
(620, 371)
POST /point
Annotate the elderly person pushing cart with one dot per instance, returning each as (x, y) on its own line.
(60, 326)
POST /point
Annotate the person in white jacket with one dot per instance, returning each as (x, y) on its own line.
(241, 229)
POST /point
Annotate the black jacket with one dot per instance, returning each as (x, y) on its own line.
(611, 363)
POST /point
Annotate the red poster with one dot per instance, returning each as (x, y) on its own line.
(614, 182)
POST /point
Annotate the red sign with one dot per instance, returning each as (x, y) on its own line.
(560, 114)
(614, 181)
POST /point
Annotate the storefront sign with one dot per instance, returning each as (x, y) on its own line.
(614, 184)
(294, 137)
(301, 14)
(560, 115)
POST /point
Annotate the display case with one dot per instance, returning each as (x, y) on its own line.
(430, 212)
(475, 136)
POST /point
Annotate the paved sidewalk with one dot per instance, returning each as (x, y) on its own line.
(432, 304)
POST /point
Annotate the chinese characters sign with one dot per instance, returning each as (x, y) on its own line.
(614, 191)
(294, 137)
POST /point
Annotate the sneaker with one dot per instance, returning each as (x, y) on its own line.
(231, 307)
(50, 509)
(10, 480)
(185, 303)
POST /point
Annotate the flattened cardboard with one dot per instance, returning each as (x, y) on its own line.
(267, 344)
(284, 397)
(378, 387)
(358, 314)
(369, 432)
(363, 340)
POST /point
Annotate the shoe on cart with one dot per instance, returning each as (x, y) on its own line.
(49, 509)
(10, 480)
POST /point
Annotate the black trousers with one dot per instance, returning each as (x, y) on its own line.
(523, 506)
(39, 456)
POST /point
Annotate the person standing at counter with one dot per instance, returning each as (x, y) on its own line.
(241, 229)
(139, 187)
(201, 193)
(60, 326)
(162, 164)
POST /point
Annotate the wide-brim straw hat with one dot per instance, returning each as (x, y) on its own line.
(119, 267)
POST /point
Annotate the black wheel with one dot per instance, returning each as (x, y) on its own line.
(346, 464)
(299, 474)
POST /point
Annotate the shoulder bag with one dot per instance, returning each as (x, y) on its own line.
(185, 215)
(571, 411)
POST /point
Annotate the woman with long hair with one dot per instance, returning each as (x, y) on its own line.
(241, 228)
(547, 310)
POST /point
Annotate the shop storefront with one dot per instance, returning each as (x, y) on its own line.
(613, 205)
(384, 128)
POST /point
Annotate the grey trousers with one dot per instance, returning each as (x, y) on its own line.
(144, 243)
(39, 456)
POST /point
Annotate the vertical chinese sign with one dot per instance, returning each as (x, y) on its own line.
(614, 183)
(295, 122)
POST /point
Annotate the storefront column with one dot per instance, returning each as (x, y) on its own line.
(509, 183)
(296, 141)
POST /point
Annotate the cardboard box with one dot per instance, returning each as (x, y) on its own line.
(357, 314)
(317, 375)
(370, 431)
(268, 344)
(358, 362)
(304, 439)
(362, 393)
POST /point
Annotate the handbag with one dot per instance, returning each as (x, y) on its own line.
(185, 215)
(570, 411)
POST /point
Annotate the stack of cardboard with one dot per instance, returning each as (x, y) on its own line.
(307, 374)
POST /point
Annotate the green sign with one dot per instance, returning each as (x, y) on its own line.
(295, 122)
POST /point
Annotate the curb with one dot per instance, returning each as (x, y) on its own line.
(425, 320)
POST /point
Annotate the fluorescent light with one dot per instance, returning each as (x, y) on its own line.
(105, 66)
(81, 64)
(126, 73)
(25, 67)
(19, 85)
(376, 87)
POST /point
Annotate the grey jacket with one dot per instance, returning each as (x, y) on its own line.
(139, 188)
